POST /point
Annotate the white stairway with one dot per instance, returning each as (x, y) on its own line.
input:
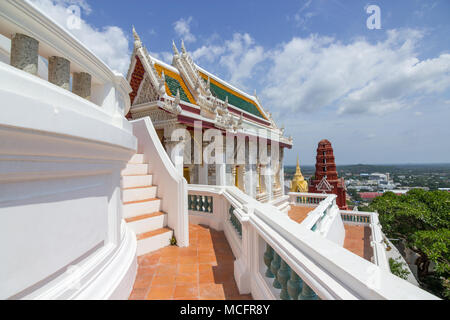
(141, 207)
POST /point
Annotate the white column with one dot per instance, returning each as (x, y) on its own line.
(221, 170)
(203, 168)
(268, 179)
(175, 149)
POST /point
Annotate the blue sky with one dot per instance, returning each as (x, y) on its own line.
(380, 96)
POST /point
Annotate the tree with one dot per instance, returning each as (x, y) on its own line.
(421, 219)
(397, 268)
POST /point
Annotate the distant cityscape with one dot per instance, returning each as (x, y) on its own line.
(366, 182)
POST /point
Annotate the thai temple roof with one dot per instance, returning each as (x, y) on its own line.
(222, 89)
(175, 82)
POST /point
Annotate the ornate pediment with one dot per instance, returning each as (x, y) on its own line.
(324, 185)
(147, 92)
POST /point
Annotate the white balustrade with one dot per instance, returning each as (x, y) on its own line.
(277, 258)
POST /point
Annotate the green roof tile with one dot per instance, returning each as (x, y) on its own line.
(234, 100)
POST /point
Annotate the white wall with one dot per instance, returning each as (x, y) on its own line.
(60, 200)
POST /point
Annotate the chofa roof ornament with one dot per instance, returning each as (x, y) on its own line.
(183, 49)
(137, 40)
(175, 50)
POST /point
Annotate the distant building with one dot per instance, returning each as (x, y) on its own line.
(326, 178)
(370, 195)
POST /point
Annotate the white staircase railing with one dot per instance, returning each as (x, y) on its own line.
(172, 187)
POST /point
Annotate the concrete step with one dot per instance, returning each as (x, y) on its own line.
(139, 193)
(137, 208)
(153, 240)
(133, 169)
(137, 158)
(137, 181)
(147, 222)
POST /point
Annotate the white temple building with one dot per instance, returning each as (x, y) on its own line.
(102, 188)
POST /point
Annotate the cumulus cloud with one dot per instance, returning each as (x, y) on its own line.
(238, 57)
(358, 77)
(109, 43)
(182, 28)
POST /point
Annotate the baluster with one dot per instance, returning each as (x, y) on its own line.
(200, 203)
(268, 257)
(307, 293)
(194, 202)
(192, 205)
(274, 266)
(206, 204)
(283, 277)
(294, 285)
(211, 205)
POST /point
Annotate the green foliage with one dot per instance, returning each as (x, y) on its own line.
(398, 268)
(173, 241)
(435, 244)
(422, 220)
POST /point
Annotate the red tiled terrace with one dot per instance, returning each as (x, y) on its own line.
(202, 271)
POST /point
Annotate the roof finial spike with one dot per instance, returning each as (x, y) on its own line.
(177, 98)
(174, 47)
(137, 40)
(183, 49)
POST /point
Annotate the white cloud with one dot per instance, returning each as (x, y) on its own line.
(238, 56)
(182, 28)
(302, 16)
(109, 43)
(164, 56)
(358, 77)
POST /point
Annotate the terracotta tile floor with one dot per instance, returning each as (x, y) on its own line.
(202, 271)
(357, 240)
(298, 214)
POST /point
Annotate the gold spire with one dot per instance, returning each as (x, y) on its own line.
(298, 183)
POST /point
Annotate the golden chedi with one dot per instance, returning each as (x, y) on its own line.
(298, 183)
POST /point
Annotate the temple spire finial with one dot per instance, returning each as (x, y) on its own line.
(174, 47)
(183, 48)
(137, 39)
